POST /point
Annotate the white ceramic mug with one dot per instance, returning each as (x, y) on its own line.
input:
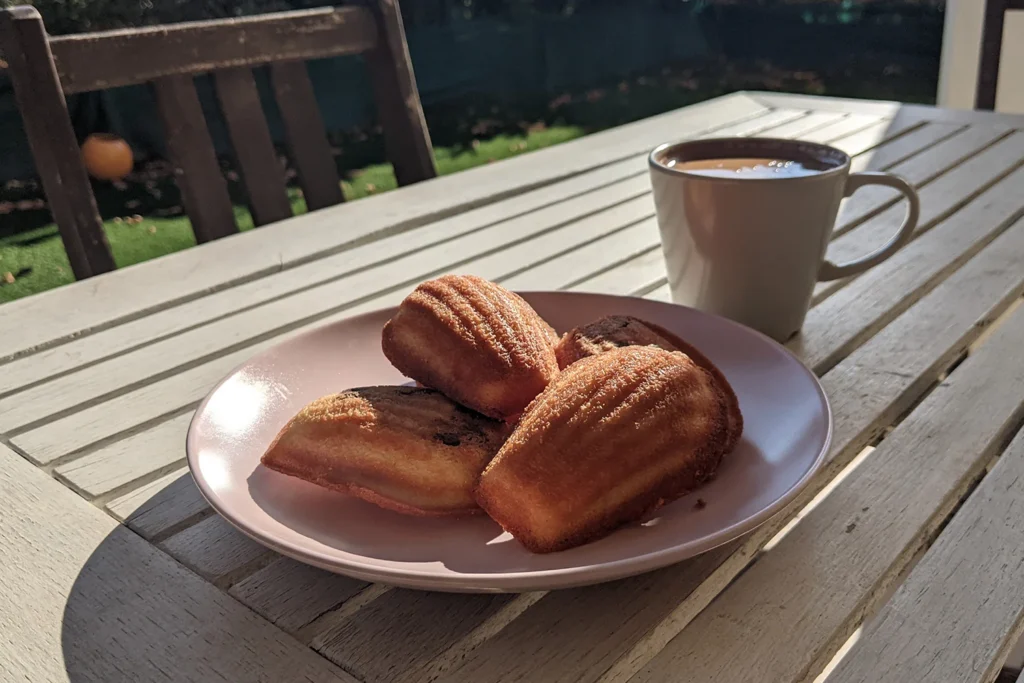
(752, 248)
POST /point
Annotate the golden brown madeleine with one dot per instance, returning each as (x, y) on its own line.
(475, 341)
(617, 331)
(406, 449)
(612, 438)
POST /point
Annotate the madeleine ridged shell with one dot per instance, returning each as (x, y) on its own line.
(612, 438)
(406, 449)
(475, 341)
(617, 331)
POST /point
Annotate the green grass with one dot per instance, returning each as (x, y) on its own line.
(34, 260)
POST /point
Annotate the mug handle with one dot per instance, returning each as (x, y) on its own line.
(832, 271)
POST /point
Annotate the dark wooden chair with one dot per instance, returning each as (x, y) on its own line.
(991, 50)
(44, 70)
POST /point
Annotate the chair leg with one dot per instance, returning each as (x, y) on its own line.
(991, 52)
(52, 140)
(398, 101)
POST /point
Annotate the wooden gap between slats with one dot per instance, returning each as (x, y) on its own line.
(613, 266)
(341, 614)
(994, 325)
(180, 526)
(449, 658)
(225, 581)
(127, 433)
(647, 289)
(839, 655)
(821, 495)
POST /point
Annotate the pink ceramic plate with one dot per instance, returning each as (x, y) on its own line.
(788, 426)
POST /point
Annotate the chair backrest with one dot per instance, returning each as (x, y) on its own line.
(991, 50)
(43, 70)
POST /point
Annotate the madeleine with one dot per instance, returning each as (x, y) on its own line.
(406, 449)
(611, 439)
(476, 342)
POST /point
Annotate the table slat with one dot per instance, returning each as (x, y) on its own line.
(867, 138)
(883, 108)
(85, 600)
(961, 609)
(903, 147)
(292, 594)
(608, 619)
(594, 256)
(786, 616)
(109, 469)
(629, 276)
(830, 330)
(918, 171)
(769, 120)
(389, 637)
(938, 199)
(851, 123)
(161, 506)
(215, 550)
(803, 125)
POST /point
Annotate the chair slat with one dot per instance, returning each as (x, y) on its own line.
(52, 140)
(304, 130)
(254, 150)
(96, 61)
(203, 189)
(398, 101)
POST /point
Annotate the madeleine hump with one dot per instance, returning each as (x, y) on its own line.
(617, 331)
(406, 449)
(475, 341)
(611, 439)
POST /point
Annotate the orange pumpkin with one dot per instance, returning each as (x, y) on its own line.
(106, 156)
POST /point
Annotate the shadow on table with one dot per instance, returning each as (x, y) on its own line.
(135, 614)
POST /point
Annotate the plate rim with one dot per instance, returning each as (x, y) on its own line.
(542, 579)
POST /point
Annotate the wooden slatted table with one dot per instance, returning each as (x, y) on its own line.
(910, 540)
